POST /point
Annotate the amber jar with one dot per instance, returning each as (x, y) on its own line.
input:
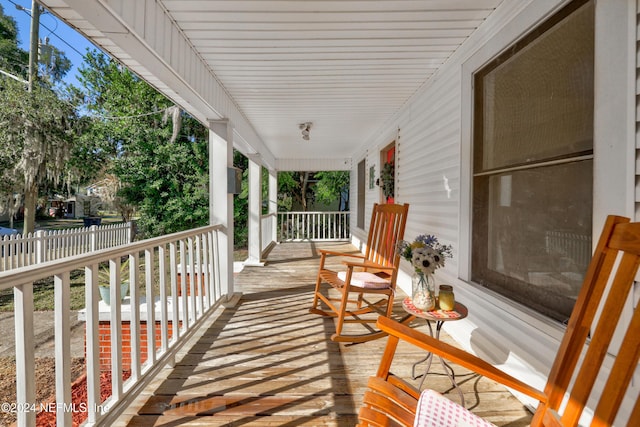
(446, 299)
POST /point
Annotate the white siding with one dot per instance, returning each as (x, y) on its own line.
(434, 170)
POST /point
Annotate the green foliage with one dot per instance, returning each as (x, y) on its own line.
(166, 179)
(304, 188)
(39, 127)
(241, 204)
(332, 186)
(387, 179)
(12, 59)
(39, 130)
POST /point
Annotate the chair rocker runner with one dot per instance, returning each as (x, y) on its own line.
(578, 364)
(370, 275)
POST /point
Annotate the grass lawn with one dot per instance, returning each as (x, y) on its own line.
(43, 294)
(62, 223)
(43, 291)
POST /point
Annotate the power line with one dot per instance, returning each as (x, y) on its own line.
(131, 117)
(52, 32)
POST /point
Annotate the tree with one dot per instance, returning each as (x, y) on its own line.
(331, 186)
(39, 127)
(38, 132)
(293, 187)
(12, 59)
(304, 188)
(158, 152)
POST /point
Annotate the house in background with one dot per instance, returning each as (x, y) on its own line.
(80, 206)
(511, 125)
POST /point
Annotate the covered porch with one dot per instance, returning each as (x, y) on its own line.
(266, 361)
(378, 81)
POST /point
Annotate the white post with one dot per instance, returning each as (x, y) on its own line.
(220, 201)
(255, 214)
(94, 238)
(25, 353)
(273, 203)
(62, 328)
(93, 343)
(41, 246)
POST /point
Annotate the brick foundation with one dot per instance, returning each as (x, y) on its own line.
(188, 276)
(104, 339)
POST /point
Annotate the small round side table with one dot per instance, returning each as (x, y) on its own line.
(439, 317)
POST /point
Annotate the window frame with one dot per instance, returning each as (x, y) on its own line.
(471, 68)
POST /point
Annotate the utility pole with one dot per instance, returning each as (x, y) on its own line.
(34, 41)
(31, 186)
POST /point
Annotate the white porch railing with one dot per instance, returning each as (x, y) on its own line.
(317, 226)
(46, 245)
(153, 265)
(266, 228)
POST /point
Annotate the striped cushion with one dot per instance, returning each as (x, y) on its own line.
(435, 410)
(365, 279)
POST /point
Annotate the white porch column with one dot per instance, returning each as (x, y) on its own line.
(255, 214)
(220, 201)
(273, 203)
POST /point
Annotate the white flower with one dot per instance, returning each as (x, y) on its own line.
(426, 260)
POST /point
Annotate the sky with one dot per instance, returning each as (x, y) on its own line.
(60, 35)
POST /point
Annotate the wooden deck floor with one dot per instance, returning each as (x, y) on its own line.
(269, 362)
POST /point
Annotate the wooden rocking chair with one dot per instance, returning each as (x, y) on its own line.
(373, 273)
(392, 401)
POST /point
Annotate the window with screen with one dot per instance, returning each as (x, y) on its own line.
(533, 164)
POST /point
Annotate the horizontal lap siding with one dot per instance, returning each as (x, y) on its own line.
(428, 153)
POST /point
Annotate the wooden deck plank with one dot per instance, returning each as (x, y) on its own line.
(269, 362)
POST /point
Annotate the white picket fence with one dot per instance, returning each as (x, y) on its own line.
(47, 245)
(314, 226)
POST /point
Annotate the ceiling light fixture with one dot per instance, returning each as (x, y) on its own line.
(305, 127)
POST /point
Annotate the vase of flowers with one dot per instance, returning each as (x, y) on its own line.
(426, 255)
(423, 291)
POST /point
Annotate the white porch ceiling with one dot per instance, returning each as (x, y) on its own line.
(346, 65)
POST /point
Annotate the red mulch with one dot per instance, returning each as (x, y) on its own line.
(79, 400)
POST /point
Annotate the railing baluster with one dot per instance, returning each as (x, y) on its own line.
(175, 307)
(190, 271)
(205, 272)
(151, 312)
(115, 328)
(93, 342)
(198, 278)
(25, 353)
(62, 327)
(183, 286)
(212, 270)
(134, 319)
(162, 272)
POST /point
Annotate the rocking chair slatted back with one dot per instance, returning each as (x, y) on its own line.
(386, 229)
(615, 262)
(385, 233)
(577, 376)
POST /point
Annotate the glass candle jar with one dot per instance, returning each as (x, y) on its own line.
(446, 299)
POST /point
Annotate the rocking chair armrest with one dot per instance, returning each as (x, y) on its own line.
(457, 356)
(328, 252)
(368, 264)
